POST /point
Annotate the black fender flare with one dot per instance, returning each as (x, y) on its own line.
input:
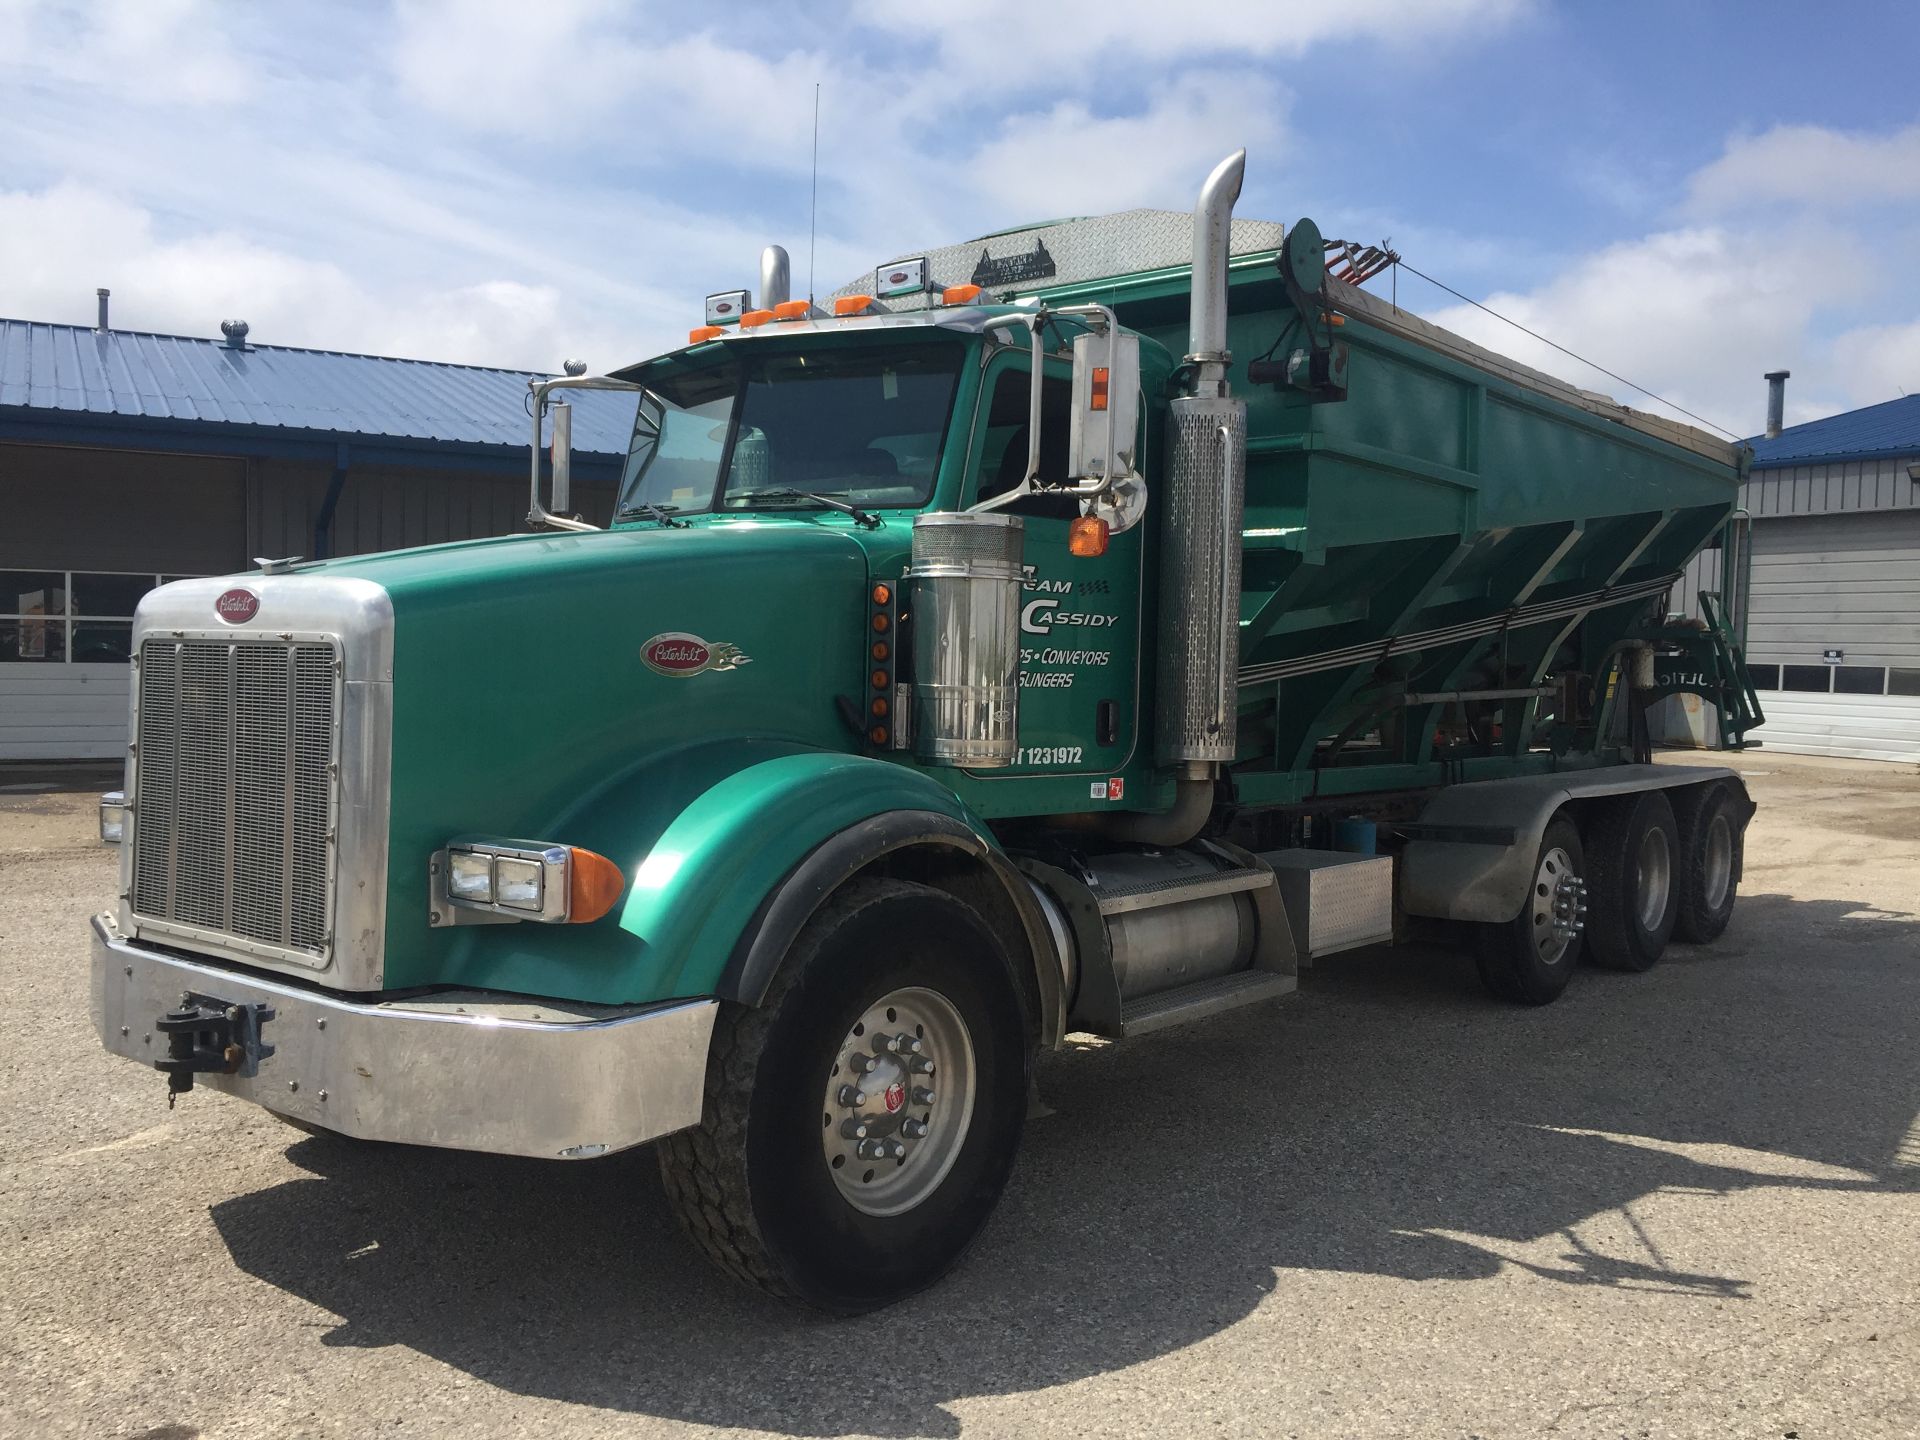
(780, 917)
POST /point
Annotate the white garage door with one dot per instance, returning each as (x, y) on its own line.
(1833, 636)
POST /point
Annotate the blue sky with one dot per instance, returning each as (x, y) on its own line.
(1688, 193)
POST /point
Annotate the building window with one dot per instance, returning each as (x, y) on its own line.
(1764, 677)
(1903, 682)
(1859, 680)
(1806, 678)
(80, 617)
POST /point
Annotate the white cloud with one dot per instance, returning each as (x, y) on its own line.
(57, 245)
(1695, 315)
(1810, 165)
(1002, 41)
(1067, 160)
(165, 51)
(1878, 362)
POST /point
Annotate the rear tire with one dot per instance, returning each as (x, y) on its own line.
(1633, 849)
(773, 1183)
(1529, 959)
(1712, 842)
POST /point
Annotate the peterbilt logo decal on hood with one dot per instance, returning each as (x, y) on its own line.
(677, 653)
(237, 606)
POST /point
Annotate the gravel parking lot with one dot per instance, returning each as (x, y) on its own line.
(1684, 1203)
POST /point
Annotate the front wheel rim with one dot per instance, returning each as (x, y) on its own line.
(899, 1101)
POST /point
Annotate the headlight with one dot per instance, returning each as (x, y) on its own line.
(489, 881)
(113, 817)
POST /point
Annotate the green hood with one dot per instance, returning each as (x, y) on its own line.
(523, 692)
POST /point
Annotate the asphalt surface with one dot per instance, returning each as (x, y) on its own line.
(1684, 1203)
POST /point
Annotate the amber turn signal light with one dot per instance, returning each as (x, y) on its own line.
(1087, 536)
(594, 885)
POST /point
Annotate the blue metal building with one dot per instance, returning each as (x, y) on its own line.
(127, 459)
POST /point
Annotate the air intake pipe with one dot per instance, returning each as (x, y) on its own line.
(776, 277)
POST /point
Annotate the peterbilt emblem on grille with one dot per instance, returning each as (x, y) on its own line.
(237, 606)
(679, 654)
(896, 1096)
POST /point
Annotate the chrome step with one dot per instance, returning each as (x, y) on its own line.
(1197, 1001)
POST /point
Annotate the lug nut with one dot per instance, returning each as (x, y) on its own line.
(871, 1150)
(920, 1065)
(908, 1044)
(852, 1096)
(922, 1095)
(914, 1129)
(861, 1064)
(885, 1044)
(894, 1150)
(853, 1129)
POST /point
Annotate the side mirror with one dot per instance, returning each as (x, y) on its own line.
(1106, 407)
(561, 502)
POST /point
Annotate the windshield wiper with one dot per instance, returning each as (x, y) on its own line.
(663, 513)
(784, 492)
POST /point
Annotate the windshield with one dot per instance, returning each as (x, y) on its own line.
(859, 425)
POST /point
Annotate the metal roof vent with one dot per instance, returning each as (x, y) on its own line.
(101, 295)
(574, 367)
(236, 333)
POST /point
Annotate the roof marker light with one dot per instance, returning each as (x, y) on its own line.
(852, 304)
(959, 294)
(793, 310)
(755, 317)
(701, 333)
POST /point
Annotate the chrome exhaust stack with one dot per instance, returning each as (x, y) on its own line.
(1196, 713)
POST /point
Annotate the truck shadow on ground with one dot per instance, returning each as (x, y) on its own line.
(1389, 1120)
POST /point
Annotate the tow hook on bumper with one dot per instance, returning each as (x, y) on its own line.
(210, 1037)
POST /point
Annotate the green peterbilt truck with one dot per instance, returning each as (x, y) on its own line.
(1082, 629)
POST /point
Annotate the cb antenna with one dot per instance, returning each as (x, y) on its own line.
(813, 204)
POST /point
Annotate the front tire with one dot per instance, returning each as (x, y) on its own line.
(1633, 848)
(861, 1123)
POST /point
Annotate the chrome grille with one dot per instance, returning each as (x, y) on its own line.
(235, 793)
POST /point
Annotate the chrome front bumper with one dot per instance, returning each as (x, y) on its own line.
(468, 1070)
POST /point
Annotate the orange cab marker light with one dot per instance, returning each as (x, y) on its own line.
(879, 649)
(1099, 395)
(792, 309)
(880, 623)
(851, 304)
(878, 734)
(1087, 536)
(882, 594)
(594, 885)
(880, 707)
(755, 317)
(959, 294)
(880, 680)
(700, 333)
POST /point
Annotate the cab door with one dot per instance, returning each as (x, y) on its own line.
(1080, 615)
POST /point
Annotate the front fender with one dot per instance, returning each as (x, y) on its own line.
(705, 836)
